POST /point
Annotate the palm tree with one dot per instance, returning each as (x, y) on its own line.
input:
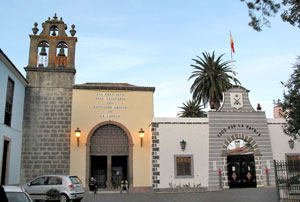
(211, 79)
(191, 109)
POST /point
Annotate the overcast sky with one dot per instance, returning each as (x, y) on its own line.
(152, 43)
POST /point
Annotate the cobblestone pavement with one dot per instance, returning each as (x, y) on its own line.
(232, 195)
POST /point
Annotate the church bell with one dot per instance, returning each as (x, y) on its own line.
(61, 52)
(53, 33)
(43, 52)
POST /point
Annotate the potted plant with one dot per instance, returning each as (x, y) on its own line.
(52, 195)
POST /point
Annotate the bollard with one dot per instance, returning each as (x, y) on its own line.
(220, 179)
(267, 176)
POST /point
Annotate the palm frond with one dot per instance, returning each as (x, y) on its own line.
(212, 76)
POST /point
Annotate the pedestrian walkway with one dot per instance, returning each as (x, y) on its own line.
(232, 195)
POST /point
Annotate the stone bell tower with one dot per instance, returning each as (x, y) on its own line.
(47, 114)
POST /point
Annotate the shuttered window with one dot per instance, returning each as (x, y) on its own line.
(184, 166)
(9, 101)
(293, 161)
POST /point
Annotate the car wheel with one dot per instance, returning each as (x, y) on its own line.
(64, 198)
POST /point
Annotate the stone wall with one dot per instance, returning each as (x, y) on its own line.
(155, 156)
(47, 122)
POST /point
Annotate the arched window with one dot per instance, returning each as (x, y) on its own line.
(43, 51)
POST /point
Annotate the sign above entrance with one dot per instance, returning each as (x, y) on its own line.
(110, 104)
(236, 100)
(232, 126)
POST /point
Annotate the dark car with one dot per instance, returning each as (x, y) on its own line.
(295, 180)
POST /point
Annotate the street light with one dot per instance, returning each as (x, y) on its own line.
(291, 143)
(183, 145)
(77, 134)
(142, 135)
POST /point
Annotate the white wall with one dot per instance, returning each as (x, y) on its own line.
(279, 140)
(13, 132)
(195, 132)
(196, 137)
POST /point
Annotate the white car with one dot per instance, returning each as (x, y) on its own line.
(16, 194)
(70, 187)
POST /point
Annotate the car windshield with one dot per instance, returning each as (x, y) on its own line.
(75, 180)
(17, 197)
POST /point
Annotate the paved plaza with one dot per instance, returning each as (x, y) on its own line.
(232, 195)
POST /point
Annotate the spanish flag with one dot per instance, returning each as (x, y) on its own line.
(231, 44)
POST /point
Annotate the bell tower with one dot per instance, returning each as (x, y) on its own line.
(52, 48)
(48, 101)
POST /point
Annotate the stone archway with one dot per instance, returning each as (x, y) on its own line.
(110, 140)
(256, 156)
(244, 137)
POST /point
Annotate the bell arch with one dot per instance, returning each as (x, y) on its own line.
(43, 52)
(54, 30)
(61, 58)
(108, 151)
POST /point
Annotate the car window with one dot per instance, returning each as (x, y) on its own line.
(54, 181)
(38, 181)
(17, 197)
(75, 180)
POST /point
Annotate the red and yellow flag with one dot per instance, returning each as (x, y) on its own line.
(231, 44)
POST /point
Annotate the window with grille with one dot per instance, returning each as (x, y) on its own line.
(9, 101)
(183, 166)
(293, 157)
(293, 163)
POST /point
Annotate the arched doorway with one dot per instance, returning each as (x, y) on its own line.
(109, 155)
(241, 169)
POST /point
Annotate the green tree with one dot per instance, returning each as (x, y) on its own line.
(261, 10)
(291, 103)
(191, 109)
(212, 78)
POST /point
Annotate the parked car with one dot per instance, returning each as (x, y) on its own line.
(289, 180)
(70, 187)
(16, 194)
(294, 180)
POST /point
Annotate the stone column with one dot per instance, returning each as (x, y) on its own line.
(33, 52)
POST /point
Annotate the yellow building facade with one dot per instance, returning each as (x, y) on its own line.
(110, 117)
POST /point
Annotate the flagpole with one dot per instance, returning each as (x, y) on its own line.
(230, 45)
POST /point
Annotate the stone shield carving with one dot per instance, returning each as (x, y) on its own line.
(236, 100)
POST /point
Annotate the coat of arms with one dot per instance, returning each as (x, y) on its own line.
(236, 100)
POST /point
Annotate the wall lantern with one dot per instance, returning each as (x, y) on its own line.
(182, 145)
(77, 134)
(142, 135)
(291, 143)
